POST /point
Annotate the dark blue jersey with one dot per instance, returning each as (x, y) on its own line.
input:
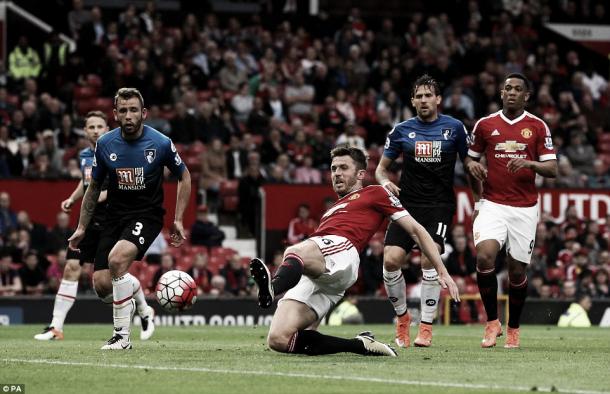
(86, 157)
(135, 171)
(429, 151)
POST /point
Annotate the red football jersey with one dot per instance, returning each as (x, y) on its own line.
(501, 139)
(358, 215)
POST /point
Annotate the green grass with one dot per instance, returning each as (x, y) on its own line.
(235, 360)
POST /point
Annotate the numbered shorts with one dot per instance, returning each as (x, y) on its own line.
(513, 226)
(436, 220)
(88, 246)
(322, 293)
(140, 231)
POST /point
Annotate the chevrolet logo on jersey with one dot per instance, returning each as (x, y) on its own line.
(428, 151)
(130, 178)
(510, 146)
(510, 149)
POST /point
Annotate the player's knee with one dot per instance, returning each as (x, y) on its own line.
(102, 285)
(392, 259)
(485, 260)
(278, 341)
(72, 270)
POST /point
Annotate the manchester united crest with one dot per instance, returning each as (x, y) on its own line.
(526, 133)
(354, 196)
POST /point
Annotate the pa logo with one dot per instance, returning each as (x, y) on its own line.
(430, 302)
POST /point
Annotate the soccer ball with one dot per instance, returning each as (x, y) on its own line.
(176, 291)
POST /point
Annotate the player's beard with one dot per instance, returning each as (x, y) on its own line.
(135, 128)
(348, 186)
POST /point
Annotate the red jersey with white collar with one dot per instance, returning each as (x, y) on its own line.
(358, 215)
(500, 139)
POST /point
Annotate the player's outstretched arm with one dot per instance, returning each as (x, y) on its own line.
(475, 169)
(86, 212)
(427, 246)
(381, 174)
(79, 191)
(177, 234)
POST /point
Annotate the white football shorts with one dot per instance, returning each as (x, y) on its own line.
(515, 226)
(322, 293)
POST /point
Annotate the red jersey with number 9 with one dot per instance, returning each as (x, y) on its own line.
(358, 215)
(500, 139)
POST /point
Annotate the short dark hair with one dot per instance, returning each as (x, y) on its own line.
(520, 76)
(426, 80)
(96, 114)
(355, 153)
(126, 94)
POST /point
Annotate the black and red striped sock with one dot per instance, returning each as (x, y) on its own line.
(288, 274)
(488, 288)
(517, 293)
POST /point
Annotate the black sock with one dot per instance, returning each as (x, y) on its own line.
(288, 274)
(313, 343)
(488, 288)
(516, 299)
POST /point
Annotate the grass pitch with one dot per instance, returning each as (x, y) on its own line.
(235, 360)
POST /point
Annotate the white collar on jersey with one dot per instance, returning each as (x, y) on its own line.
(513, 121)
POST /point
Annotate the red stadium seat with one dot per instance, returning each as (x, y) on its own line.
(604, 147)
(197, 148)
(230, 203)
(84, 92)
(94, 81)
(228, 187)
(604, 137)
(85, 105)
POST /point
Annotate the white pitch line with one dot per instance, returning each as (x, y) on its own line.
(310, 376)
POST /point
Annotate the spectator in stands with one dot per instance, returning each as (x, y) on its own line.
(236, 276)
(183, 125)
(302, 226)
(201, 274)
(581, 154)
(42, 168)
(236, 158)
(38, 232)
(210, 125)
(154, 120)
(258, 122)
(249, 199)
(67, 134)
(299, 96)
(55, 271)
(602, 284)
(272, 147)
(372, 268)
(204, 232)
(331, 120)
(350, 137)
(231, 77)
(568, 177)
(306, 173)
(600, 178)
(32, 275)
(219, 285)
(242, 103)
(77, 17)
(59, 234)
(283, 168)
(461, 261)
(156, 250)
(275, 106)
(213, 171)
(24, 61)
(8, 218)
(167, 264)
(54, 153)
(10, 282)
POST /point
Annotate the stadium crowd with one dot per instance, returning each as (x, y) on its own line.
(249, 103)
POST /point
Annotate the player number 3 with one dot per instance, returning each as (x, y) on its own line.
(137, 229)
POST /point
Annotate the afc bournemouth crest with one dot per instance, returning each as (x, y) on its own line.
(354, 196)
(446, 133)
(526, 133)
(150, 155)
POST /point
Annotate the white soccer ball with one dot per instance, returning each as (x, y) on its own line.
(176, 291)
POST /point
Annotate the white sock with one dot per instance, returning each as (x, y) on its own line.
(396, 289)
(66, 295)
(430, 293)
(138, 294)
(122, 306)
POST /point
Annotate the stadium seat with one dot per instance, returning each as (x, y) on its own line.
(197, 148)
(603, 147)
(85, 105)
(230, 203)
(604, 137)
(94, 81)
(228, 187)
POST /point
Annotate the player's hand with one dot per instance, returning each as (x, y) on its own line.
(477, 170)
(515, 165)
(447, 283)
(176, 234)
(66, 205)
(392, 188)
(75, 239)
